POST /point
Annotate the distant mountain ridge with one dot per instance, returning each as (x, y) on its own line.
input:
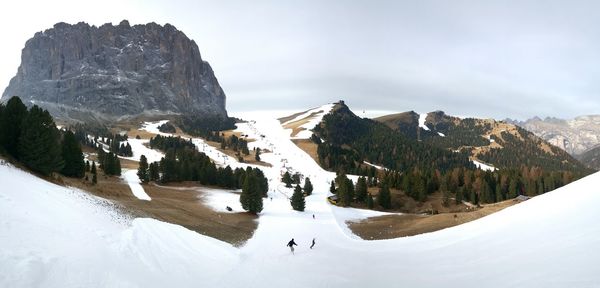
(578, 136)
(83, 72)
(575, 136)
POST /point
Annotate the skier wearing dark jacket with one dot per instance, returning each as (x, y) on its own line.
(291, 245)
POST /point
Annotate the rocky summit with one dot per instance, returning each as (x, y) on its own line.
(82, 72)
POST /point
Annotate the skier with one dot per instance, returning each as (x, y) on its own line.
(313, 244)
(313, 216)
(291, 245)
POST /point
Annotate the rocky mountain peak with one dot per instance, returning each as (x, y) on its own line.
(83, 72)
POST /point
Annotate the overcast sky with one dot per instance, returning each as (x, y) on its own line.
(472, 58)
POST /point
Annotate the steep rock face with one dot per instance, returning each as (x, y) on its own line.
(82, 71)
(575, 136)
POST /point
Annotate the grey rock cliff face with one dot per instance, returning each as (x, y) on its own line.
(575, 136)
(109, 72)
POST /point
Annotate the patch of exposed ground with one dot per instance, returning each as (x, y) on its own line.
(296, 125)
(394, 226)
(177, 206)
(309, 147)
(293, 116)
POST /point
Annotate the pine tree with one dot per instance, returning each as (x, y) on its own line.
(262, 181)
(87, 166)
(350, 190)
(153, 172)
(257, 155)
(343, 193)
(445, 193)
(117, 164)
(513, 189)
(94, 173)
(11, 120)
(361, 189)
(296, 178)
(308, 187)
(369, 201)
(72, 156)
(39, 144)
(251, 198)
(287, 179)
(459, 195)
(297, 199)
(143, 169)
(384, 199)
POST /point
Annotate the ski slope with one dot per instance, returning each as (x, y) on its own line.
(312, 117)
(59, 237)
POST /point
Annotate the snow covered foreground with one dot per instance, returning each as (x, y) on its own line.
(58, 237)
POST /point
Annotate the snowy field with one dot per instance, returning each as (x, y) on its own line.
(60, 237)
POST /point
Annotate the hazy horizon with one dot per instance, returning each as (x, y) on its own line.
(508, 59)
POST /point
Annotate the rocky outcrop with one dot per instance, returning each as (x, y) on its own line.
(109, 72)
(575, 136)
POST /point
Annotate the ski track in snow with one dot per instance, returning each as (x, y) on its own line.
(132, 179)
(46, 230)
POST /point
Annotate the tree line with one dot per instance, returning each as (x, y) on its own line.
(30, 137)
(421, 168)
(183, 162)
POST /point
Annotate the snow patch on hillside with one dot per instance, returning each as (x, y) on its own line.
(422, 118)
(484, 166)
(376, 166)
(313, 120)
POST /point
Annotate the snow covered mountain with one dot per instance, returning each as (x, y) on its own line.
(53, 236)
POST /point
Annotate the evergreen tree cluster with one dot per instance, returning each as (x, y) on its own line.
(165, 143)
(31, 137)
(477, 186)
(289, 179)
(420, 168)
(121, 149)
(167, 128)
(99, 136)
(182, 162)
(206, 127)
(297, 201)
(351, 140)
(525, 150)
(109, 163)
(466, 132)
(236, 144)
(254, 188)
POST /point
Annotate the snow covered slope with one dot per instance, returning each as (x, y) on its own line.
(303, 123)
(56, 237)
(51, 236)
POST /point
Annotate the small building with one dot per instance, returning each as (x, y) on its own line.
(333, 199)
(521, 198)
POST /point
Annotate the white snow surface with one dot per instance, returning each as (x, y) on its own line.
(422, 118)
(132, 179)
(376, 166)
(139, 148)
(314, 120)
(483, 166)
(57, 237)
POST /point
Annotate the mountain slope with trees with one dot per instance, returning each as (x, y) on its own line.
(437, 162)
(497, 143)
